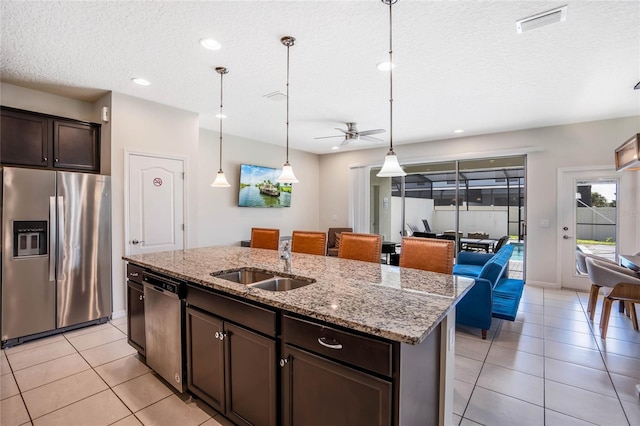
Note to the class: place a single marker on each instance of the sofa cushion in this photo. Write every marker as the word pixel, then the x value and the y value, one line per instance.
pixel 467 270
pixel 495 268
pixel 506 298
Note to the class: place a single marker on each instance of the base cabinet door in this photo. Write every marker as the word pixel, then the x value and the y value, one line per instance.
pixel 251 377
pixel 205 358
pixel 135 311
pixel 317 391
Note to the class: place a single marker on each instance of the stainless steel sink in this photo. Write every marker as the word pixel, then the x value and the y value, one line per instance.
pixel 282 284
pixel 244 275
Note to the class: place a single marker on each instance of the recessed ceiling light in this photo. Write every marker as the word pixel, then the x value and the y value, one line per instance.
pixel 209 43
pixel 458 131
pixel 141 81
pixel 335 147
pixel 386 66
pixel 221 116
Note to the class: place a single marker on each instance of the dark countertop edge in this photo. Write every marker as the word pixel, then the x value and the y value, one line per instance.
pixel 396 337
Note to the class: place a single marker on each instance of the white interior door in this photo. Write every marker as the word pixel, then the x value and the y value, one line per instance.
pixel 583 223
pixel 156 204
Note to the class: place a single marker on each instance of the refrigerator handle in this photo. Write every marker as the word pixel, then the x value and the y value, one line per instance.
pixel 60 218
pixel 52 238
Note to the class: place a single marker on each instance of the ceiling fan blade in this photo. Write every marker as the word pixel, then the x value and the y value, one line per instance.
pixel 370 138
pixel 326 137
pixel 372 132
pixel 342 130
pixel 345 142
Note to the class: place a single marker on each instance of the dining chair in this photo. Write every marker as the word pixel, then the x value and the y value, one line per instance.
pixel 428 254
pixel 265 238
pixel 365 247
pixel 620 283
pixel 310 242
pixel 333 237
pixel 581 266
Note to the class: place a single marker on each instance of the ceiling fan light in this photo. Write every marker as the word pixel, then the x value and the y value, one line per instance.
pixel 287 175
pixel 220 181
pixel 391 167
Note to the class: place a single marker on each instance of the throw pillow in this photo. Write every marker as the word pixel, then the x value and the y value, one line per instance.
pixel 338 237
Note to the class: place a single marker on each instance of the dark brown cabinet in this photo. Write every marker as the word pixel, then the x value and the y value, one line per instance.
pixel 319 389
pixel 39 140
pixel 230 366
pixel 316 391
pixel 135 309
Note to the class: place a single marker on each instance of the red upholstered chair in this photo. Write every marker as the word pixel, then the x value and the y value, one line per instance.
pixel 310 242
pixel 365 247
pixel 265 238
pixel 428 254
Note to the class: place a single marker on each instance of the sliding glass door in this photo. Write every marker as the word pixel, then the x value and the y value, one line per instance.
pixel 475 202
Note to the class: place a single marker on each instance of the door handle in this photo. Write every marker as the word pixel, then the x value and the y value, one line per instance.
pixel 60 218
pixel 52 238
pixel 567 237
pixel 136 242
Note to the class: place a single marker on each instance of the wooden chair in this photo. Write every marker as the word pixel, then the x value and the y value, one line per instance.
pixel 309 242
pixel 365 247
pixel 265 238
pixel 428 254
pixel 332 248
pixel 624 285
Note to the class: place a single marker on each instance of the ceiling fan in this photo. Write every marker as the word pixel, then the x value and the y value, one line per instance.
pixel 352 134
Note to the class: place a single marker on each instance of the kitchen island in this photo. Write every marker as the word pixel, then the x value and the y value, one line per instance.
pixel 363 344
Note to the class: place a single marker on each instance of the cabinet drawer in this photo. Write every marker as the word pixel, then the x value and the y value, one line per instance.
pixel 134 273
pixel 364 352
pixel 251 316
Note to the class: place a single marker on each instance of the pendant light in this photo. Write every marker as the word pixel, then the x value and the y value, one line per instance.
pixel 221 180
pixel 287 175
pixel 391 167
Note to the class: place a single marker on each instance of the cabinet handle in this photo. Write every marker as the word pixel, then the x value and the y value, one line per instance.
pixel 44 159
pixel 283 362
pixel 133 274
pixel 219 335
pixel 56 160
pixel 141 297
pixel 336 345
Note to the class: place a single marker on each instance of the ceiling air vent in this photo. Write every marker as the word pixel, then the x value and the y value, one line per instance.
pixel 275 96
pixel 540 20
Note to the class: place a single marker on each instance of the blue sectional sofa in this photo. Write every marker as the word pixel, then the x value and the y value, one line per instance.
pixel 494 294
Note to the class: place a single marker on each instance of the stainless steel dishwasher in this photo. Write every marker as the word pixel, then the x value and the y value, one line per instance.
pixel 164 325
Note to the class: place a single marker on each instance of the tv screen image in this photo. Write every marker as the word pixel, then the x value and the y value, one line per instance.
pixel 258 187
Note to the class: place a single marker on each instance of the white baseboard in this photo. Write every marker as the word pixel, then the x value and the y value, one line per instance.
pixel 542 284
pixel 118 314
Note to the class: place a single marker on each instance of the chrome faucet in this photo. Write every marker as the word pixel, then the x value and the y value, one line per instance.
pixel 285 254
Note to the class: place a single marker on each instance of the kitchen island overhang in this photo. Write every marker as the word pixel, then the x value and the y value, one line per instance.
pixel 412 309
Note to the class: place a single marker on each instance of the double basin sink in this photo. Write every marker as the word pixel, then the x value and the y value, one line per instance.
pixel 262 279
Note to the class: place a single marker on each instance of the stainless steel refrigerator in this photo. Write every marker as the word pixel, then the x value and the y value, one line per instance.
pixel 56 251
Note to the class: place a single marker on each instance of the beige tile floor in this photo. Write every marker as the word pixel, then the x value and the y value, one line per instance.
pixel 549 367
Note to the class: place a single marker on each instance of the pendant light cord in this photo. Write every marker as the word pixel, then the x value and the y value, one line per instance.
pixel 390 76
pixel 221 75
pixel 288 47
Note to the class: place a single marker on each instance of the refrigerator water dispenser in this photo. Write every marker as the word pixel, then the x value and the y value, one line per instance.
pixel 29 238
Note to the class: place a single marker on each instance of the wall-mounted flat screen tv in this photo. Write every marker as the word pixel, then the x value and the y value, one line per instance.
pixel 258 187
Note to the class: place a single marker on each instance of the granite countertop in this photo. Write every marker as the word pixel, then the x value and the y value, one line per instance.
pixel 398 304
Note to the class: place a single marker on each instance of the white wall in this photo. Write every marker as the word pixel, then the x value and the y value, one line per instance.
pixel 141 126
pixel 575 145
pixel 220 220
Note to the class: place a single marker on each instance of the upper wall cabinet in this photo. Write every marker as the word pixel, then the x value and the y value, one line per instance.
pixel 38 140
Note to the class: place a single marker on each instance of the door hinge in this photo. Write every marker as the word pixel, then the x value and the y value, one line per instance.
pixel 184 175
pixel 183 226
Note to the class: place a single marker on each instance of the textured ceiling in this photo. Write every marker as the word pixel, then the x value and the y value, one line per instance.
pixel 460 64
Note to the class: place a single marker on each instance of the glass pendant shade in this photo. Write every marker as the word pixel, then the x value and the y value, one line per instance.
pixel 391 167
pixel 287 175
pixel 221 180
